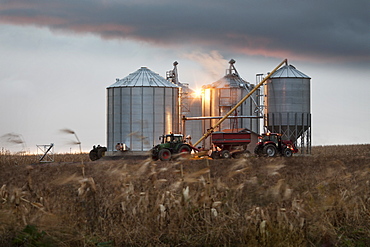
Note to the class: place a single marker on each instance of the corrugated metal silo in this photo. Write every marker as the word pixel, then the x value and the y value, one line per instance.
pixel 221 96
pixel 141 107
pixel 190 105
pixel 288 106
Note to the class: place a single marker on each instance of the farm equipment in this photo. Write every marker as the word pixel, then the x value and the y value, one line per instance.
pixel 97 152
pixel 226 144
pixel 210 130
pixel 271 145
pixel 171 144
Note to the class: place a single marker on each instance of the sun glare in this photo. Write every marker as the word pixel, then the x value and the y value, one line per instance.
pixel 198 92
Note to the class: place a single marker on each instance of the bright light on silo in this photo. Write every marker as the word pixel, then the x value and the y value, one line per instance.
pixel 207 94
pixel 198 93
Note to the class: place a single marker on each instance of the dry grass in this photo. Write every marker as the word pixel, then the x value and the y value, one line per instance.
pixel 318 200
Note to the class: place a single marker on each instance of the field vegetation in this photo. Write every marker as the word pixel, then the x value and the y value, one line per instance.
pixel 317 200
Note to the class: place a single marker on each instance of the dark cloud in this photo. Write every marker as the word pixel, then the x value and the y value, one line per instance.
pixel 332 29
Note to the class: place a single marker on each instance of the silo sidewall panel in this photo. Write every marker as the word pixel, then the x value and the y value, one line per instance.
pixel 175 107
pixel 137 117
pixel 224 102
pixel 214 105
pixel 117 108
pixel 110 119
pixel 242 110
pixel 169 111
pixel 148 118
pixel 206 111
pixel 126 116
pixel 159 113
pixel 270 99
pixel 194 128
pixel 246 110
pixel 306 97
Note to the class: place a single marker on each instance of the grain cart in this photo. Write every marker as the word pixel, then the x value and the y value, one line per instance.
pixel 271 145
pixel 171 144
pixel 227 145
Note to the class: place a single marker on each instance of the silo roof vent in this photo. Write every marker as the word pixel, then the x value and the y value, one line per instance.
pixel 143 77
pixel 289 71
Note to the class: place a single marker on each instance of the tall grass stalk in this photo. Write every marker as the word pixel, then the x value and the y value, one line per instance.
pixel 320 200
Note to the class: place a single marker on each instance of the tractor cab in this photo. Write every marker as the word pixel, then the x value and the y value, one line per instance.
pixel 271 138
pixel 274 137
pixel 173 138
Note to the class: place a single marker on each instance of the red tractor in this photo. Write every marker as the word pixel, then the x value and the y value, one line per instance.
pixel 271 145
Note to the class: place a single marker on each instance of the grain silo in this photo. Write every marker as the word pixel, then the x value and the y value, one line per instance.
pixel 221 96
pixel 141 107
pixel 287 105
pixel 190 105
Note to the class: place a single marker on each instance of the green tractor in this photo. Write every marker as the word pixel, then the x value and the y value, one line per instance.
pixel 171 144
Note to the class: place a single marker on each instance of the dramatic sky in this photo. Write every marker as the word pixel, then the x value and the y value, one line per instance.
pixel 58 57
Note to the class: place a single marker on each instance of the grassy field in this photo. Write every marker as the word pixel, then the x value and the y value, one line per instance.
pixel 317 200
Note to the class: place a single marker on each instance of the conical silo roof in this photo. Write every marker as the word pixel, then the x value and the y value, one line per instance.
pixel 289 71
pixel 231 79
pixel 143 77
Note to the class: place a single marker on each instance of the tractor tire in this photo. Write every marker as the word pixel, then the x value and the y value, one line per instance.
pixel 101 152
pixel 185 149
pixel 164 155
pixel 287 152
pixel 241 154
pixel 237 155
pixel 270 150
pixel 258 150
pixel 225 154
pixel 154 158
pixel 93 155
pixel 215 155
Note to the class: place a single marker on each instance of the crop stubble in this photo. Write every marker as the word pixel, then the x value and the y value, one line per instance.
pixel 322 199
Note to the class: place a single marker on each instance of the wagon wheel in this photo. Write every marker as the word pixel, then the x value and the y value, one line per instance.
pixel 215 155
pixel 225 154
pixel 237 155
